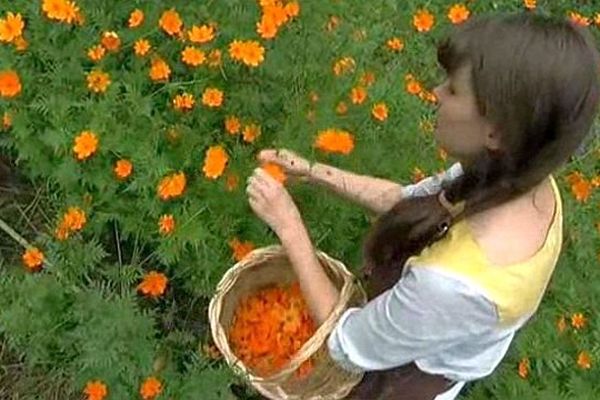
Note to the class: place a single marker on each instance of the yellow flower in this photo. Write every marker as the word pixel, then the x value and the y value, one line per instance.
pixel 11 27
pixel 98 81
pixel 193 56
pixel 136 18
pixel 215 162
pixel 212 97
pixel 86 144
pixel 141 47
pixel 96 53
pixel 201 34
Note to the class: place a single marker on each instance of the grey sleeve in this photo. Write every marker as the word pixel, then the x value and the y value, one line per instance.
pixel 423 314
pixel 432 184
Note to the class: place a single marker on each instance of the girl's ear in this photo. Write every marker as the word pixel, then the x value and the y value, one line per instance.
pixel 492 138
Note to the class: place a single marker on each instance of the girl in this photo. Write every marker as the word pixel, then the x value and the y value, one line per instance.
pixel 458 262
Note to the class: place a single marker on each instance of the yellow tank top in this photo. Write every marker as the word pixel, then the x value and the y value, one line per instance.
pixel 516 289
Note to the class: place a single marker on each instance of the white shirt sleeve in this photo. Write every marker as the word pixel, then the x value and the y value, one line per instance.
pixel 432 184
pixel 426 312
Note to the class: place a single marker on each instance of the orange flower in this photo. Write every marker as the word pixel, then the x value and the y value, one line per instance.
pixel 358 95
pixel 184 102
pixel 561 325
pixel 380 111
pixel 584 360
pixel 11 27
pixel 428 96
pixel 344 65
pixel 10 84
pixel 597 19
pixel 56 9
pixel 250 52
pixel 367 79
pixel 166 224
pixel 33 259
pixel 154 284
pixel 201 34
pixel 578 321
pixel 251 132
pixel 123 169
pixel 214 58
pixel 335 141
pixel 530 4
pixel 171 22
pixel 395 44
pixel 215 162
pixel 193 56
pixel 524 368
pixel 413 86
pixel 579 19
pixel 232 125
pixel 580 186
pixel 96 53
pixel 136 18
pixel 6 121
pixel 141 47
pixel 212 97
pixel 341 108
pixel 266 28
pixel 423 20
pixel 74 219
pixel 98 81
pixel 21 44
pixel 111 41
pixel 418 175
pixel 86 144
pixel 333 23
pixel 240 249
pixel 292 9
pixel 95 390
pixel 159 70
pixel 150 388
pixel 172 186
pixel 275 171
pixel 458 14
pixel 231 182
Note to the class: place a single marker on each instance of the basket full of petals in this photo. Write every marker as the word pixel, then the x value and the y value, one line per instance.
pixel 260 323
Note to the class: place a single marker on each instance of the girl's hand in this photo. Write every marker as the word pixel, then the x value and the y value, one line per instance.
pixel 295 166
pixel 271 202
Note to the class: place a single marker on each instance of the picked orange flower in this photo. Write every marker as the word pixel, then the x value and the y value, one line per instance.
pixel 212 97
pixel 251 132
pixel 10 84
pixel 136 18
pixel 380 111
pixel 33 259
pixel 111 41
pixel 423 20
pixel 184 102
pixel 166 224
pixel 123 169
pixel 232 125
pixel 276 171
pixel 86 144
pixel 96 53
pixel 458 14
pixel 193 56
pixel 150 388
pixel 240 249
pixel 171 22
pixel 215 162
pixel 335 141
pixel 201 34
pixel 141 47
pixel 159 70
pixel 172 186
pixel 98 81
pixel 153 284
pixel 95 390
pixel 11 27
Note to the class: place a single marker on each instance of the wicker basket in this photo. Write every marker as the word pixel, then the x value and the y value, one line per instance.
pixel 270 265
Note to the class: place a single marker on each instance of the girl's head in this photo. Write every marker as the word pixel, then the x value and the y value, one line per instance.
pixel 520 96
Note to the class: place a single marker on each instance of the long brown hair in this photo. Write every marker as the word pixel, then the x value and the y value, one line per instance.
pixel 534 77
